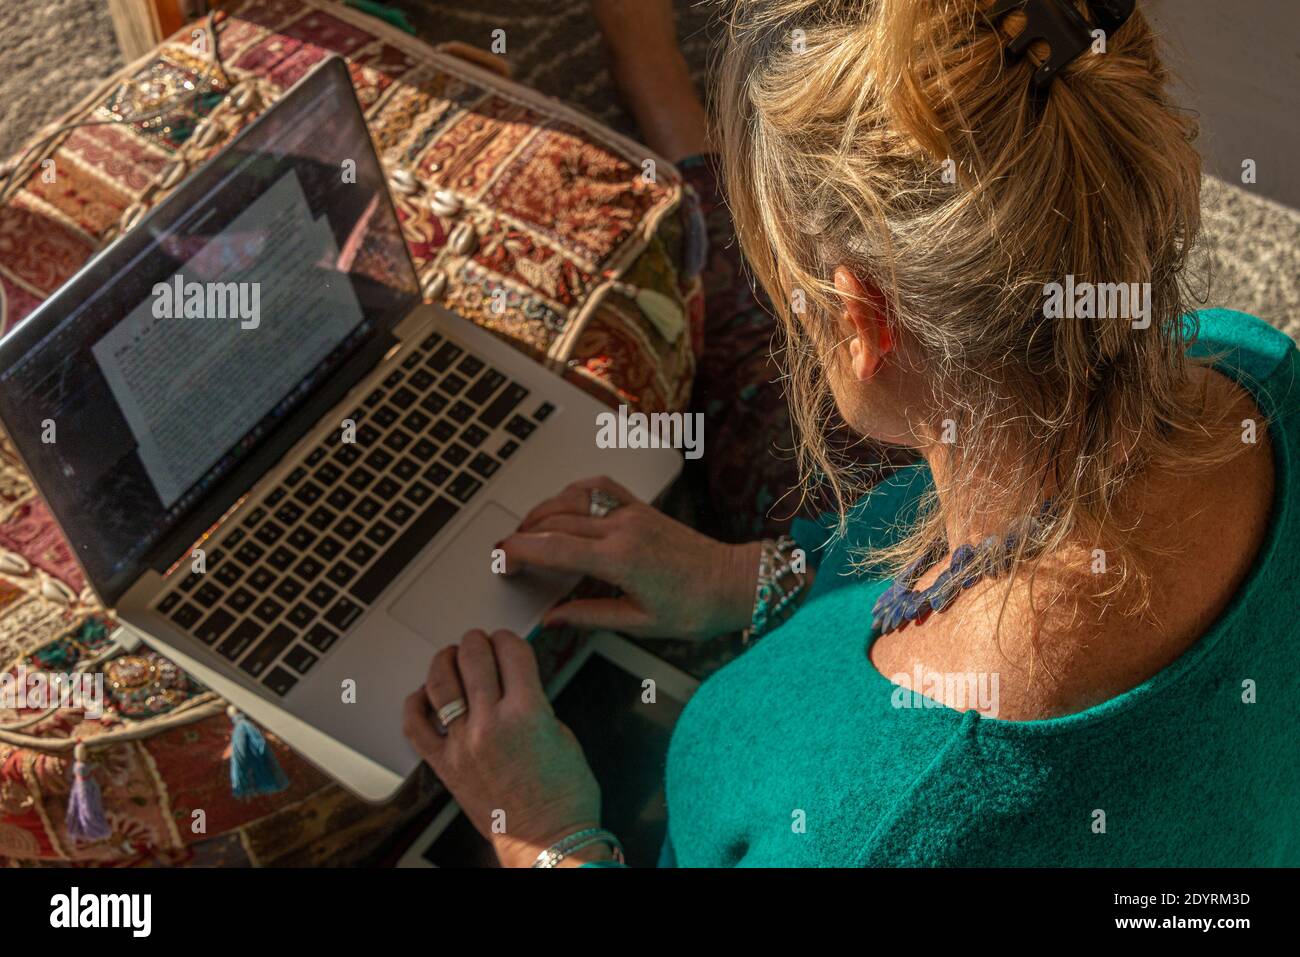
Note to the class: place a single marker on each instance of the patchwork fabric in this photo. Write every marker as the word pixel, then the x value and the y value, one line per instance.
pixel 570 222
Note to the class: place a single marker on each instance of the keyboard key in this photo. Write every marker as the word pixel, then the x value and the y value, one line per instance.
pixel 433 403
pixel 239 640
pixel 443 431
pixel 321 594
pixel 348 528
pixel 340 499
pixel 460 412
pixel 406 469
pixel 483 389
pixel 301 538
pixel 419 493
pixel 170 601
pixel 452 384
pixel 268 610
pixel 288 513
pixel 379 533
pixel 207 594
pixel 309 494
pixel 403 398
pixel 412 360
pixel 463 487
pixel 281 558
pixel 543 412
pixel 234 538
pixel 288 589
pixel 484 465
pixel 367 508
pixel 275 498
pixel 215 626
pixel 455 453
pixel 341 573
pixel 446 354
pixel 360 553
pixel 300 616
pixel 385 416
pixel 421 379
pixel 397 440
pixel 269 533
pixel 228 574
pixel 437 473
pixel 379 459
pixel 387 488
pixel 473 436
pixel 347 454
pixel 296 476
pixel 520 427
pixel 268 649
pixel 507 450
pixel 280 681
pixel 403 549
pixel 433 340
pixel 241 599
pixel 329 546
pixel 322 517
pixel 424 450
pixel 189 581
pixel 368 435
pixel 249 553
pixel 308 569
pixel 317 456
pixel 416 421
pixel 361 478
pixel 328 474
pixel 253 517
pixel 399 513
pixel 343 614
pixel 300 659
pixel 503 405
pixel 261 579
pixel 321 638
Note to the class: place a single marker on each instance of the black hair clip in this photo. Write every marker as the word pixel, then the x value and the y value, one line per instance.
pixel 1058 24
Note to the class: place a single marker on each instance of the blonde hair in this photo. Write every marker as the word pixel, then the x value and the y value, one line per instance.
pixel 835 142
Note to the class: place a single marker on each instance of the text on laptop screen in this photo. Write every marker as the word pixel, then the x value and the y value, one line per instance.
pixel 203 329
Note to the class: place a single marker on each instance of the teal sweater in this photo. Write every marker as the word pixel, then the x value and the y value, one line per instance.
pixel 796 755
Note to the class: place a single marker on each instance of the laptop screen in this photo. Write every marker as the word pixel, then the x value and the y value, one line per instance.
pixel 137 391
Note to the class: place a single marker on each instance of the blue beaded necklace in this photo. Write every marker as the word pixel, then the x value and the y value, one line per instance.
pixel 901 603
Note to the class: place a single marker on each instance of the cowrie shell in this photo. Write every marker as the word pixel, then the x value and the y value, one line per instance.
pixel 445 203
pixel 403 181
pixel 435 286
pixel 14 564
pixel 464 240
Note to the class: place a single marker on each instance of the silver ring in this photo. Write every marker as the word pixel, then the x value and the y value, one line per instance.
pixel 450 712
pixel 601 503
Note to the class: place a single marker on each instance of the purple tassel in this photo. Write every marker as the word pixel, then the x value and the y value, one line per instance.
pixel 85 820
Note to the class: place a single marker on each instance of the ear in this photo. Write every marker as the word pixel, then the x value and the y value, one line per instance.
pixel 866 320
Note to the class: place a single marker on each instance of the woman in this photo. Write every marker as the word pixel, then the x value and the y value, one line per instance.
pixel 1067 636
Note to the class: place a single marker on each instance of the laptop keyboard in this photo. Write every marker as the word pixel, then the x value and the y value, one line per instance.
pixel 299 567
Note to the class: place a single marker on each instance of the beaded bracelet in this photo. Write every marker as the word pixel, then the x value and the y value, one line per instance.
pixel 779 587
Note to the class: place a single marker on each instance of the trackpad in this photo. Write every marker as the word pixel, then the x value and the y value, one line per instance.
pixel 459 591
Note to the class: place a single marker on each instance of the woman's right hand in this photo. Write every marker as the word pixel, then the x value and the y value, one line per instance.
pixel 676 582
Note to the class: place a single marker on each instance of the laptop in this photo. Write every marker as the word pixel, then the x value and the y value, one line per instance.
pixel 275 464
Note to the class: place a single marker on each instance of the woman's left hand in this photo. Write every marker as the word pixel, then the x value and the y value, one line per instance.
pixel 516 771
